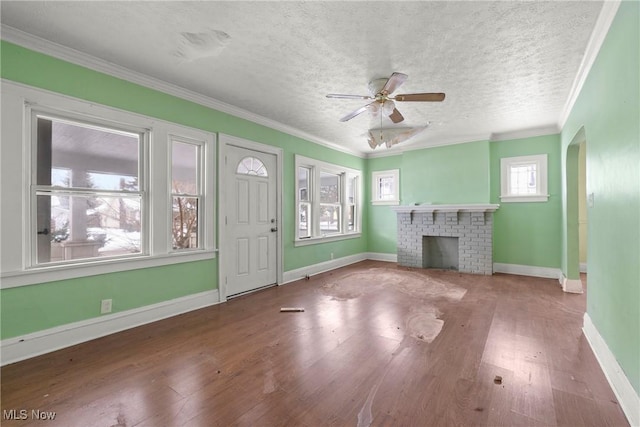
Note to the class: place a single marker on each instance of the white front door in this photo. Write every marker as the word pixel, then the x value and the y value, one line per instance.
pixel 251 226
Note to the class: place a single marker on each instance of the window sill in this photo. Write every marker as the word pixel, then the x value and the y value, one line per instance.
pixel 385 202
pixel 520 199
pixel 325 239
pixel 53 273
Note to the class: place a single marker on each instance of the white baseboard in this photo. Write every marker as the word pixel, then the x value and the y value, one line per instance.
pixel 26 346
pixel 379 256
pixel 572 286
pixel 527 270
pixel 622 388
pixel 311 270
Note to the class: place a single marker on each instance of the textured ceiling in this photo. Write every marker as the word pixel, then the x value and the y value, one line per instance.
pixel 505 66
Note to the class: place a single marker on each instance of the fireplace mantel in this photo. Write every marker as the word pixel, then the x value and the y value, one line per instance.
pixel 446 208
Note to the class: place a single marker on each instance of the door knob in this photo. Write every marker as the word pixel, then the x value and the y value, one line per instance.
pixel 274 229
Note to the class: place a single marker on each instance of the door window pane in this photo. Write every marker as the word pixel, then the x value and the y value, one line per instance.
pixel 252 166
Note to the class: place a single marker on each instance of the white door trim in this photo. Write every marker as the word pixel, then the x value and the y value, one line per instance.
pixel 223 142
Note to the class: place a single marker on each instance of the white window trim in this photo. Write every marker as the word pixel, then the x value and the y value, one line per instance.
pixel 18 101
pixel 375 179
pixel 541 185
pixel 201 186
pixel 317 166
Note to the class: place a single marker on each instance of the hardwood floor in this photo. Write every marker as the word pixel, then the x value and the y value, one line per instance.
pixel 377 345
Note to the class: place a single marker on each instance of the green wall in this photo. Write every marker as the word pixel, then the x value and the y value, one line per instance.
pixel 607 113
pixel 528 233
pixel 450 174
pixel 382 229
pixel 28 309
pixel 524 233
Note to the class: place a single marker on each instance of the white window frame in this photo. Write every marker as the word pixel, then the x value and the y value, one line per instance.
pixel 199 194
pixel 16 151
pixel 316 167
pixel 376 177
pixel 32 114
pixel 506 163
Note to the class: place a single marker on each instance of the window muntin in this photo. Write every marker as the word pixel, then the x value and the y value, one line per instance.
pixel 524 178
pixel 385 187
pixel 186 194
pixel 327 200
pixel 87 201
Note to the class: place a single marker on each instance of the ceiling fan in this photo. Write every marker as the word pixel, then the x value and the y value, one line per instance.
pixel 380 91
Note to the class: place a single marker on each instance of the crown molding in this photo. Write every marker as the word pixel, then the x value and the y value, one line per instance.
pixel 38 44
pixel 600 30
pixel 550 129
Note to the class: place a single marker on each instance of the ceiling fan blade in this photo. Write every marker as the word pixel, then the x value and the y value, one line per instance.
pixel 340 96
pixel 420 97
pixel 394 82
pixel 396 117
pixel 352 114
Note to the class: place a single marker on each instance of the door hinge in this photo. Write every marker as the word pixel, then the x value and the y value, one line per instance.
pixel 225 221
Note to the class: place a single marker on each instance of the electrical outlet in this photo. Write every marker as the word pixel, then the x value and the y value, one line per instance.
pixel 105 306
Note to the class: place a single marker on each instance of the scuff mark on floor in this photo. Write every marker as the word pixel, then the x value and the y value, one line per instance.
pixel 413 284
pixel 422 323
pixel 365 417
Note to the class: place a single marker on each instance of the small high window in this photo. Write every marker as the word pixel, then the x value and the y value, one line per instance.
pixel 524 179
pixel 385 187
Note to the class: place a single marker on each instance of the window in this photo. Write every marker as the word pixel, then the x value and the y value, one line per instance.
pixel 327 201
pixel 87 191
pixel 186 193
pixel 251 166
pixel 524 179
pixel 97 190
pixel 385 187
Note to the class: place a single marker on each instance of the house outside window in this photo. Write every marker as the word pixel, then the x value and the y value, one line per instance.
pixel 523 179
pixel 385 187
pixel 327 201
pixel 88 192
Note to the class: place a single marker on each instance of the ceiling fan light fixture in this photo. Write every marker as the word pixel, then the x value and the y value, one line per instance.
pixel 388 106
pixel 374 109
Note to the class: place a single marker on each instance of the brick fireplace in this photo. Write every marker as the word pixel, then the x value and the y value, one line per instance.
pixel 471 226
